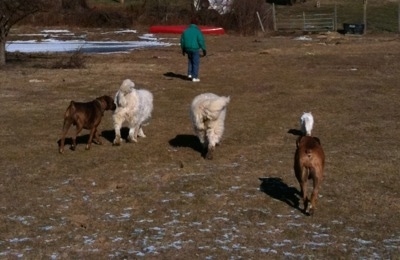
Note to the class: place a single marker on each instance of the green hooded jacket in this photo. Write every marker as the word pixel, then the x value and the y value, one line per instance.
pixel 192 39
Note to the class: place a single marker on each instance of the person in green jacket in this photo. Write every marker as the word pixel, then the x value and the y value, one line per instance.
pixel 192 41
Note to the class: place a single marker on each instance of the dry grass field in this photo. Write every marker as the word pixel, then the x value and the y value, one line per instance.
pixel 159 199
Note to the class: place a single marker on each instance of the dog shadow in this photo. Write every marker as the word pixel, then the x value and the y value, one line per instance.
pixel 174 75
pixel 109 135
pixel 190 141
pixel 277 189
pixel 295 132
pixel 82 139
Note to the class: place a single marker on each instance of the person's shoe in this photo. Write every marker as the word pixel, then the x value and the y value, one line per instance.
pixel 189 76
pixel 196 80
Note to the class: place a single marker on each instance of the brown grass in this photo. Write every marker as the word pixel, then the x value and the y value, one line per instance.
pixel 165 201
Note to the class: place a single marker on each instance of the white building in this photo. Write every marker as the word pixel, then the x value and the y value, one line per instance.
pixel 221 6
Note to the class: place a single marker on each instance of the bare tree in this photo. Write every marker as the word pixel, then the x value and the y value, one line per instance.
pixel 74 4
pixel 13 11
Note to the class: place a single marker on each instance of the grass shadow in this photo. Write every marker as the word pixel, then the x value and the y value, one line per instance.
pixel 190 141
pixel 277 189
pixel 174 75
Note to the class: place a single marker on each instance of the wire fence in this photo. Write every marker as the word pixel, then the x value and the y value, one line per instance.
pixel 356 19
pixel 307 22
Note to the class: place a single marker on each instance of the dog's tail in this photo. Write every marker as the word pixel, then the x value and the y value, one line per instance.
pixel 68 113
pixel 307 123
pixel 120 100
pixel 212 108
pixel 70 110
pixel 127 86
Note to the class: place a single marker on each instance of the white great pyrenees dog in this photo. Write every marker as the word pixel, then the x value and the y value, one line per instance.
pixel 207 113
pixel 134 106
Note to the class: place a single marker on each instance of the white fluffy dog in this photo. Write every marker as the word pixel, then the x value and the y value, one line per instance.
pixel 207 113
pixel 306 123
pixel 135 107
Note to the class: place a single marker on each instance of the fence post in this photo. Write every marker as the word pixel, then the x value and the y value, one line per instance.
pixel 304 21
pixel 259 20
pixel 274 16
pixel 365 16
pixel 335 19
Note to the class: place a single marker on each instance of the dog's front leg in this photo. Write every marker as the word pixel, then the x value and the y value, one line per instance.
pixel 96 138
pixel 117 139
pixel 210 152
pixel 212 140
pixel 201 134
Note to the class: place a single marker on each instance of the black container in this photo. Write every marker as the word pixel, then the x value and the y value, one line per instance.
pixel 353 28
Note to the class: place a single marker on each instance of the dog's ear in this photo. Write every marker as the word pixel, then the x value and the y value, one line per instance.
pixel 110 103
pixel 298 141
pixel 317 139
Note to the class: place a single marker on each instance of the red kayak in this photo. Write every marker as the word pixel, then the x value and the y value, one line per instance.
pixel 178 29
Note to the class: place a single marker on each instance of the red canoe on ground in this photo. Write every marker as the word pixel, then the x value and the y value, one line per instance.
pixel 178 29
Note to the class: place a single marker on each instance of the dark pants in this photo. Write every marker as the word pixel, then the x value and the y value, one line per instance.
pixel 193 63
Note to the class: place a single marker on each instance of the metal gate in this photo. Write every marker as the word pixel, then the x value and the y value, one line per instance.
pixel 308 22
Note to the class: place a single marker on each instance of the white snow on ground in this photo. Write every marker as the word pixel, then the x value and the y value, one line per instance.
pixel 49 43
pixel 152 238
pixel 52 45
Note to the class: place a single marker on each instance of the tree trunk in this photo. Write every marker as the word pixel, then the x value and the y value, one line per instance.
pixel 2 50
pixel 11 12
pixel 2 54
pixel 74 4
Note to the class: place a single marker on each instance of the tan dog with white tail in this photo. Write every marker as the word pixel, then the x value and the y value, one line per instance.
pixel 309 163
